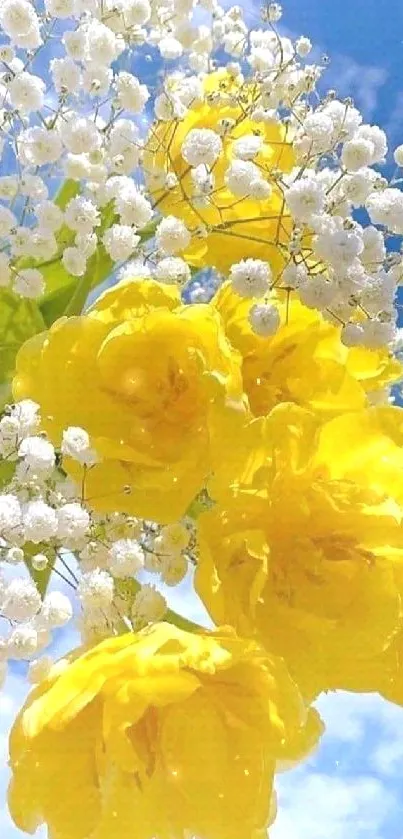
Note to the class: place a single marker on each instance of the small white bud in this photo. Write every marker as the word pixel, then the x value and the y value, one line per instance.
pixel 39 562
pixel 264 319
pixel 39 669
pixel 398 155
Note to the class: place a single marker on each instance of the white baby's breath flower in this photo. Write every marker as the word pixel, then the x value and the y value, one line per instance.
pixel 240 175
pixel 19 21
pixel 95 589
pixel 201 145
pixel 23 642
pixel 132 206
pixel 250 277
pixel 27 92
pixel 76 444
pixel 264 319
pixel 149 605
pixel 172 269
pixel 56 610
pixel 120 240
pixel 172 235
pixel 10 516
pixel 38 453
pixel 132 95
pixel 21 600
pixel 39 669
pixel 81 214
pixel 74 261
pixel 40 521
pixel 28 282
pixel 73 522
pixel 126 558
pixel 65 74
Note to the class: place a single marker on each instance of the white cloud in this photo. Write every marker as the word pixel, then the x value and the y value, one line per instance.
pixel 361 82
pixel 350 717
pixel 387 758
pixel 184 600
pixel 350 788
pixel 349 78
pixel 344 715
pixel 315 805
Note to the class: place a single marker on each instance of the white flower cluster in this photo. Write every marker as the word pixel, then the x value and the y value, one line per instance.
pixel 89 123
pixel 46 526
pixel 331 181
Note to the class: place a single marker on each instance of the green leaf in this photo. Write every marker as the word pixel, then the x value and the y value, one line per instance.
pixel 181 622
pixel 66 192
pixel 40 578
pixel 99 267
pixel 200 504
pixel 20 319
pixel 53 271
pixel 7 468
pixel 65 294
pixel 55 303
pixel 70 298
pixel 60 286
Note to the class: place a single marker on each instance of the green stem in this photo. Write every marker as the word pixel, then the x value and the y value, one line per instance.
pixel 86 283
pixel 181 622
pixel 129 588
pixel 77 301
pixel 148 231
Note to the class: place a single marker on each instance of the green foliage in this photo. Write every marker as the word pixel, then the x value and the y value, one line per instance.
pixel 7 468
pixel 200 504
pixel 20 319
pixel 65 294
pixel 99 267
pixel 40 578
pixel 66 192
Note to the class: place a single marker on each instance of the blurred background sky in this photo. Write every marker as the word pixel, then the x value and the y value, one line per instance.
pixel 352 788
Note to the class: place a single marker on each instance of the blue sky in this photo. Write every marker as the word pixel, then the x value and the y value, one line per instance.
pixel 352 788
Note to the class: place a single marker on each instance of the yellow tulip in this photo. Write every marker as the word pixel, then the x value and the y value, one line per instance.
pixel 304 543
pixel 151 381
pixel 157 734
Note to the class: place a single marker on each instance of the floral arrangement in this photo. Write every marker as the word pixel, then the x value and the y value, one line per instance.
pixel 200 369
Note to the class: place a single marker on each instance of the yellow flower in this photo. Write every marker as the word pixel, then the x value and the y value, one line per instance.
pixel 150 383
pixel 303 545
pixel 305 361
pixel 156 734
pixel 225 227
pixel 383 672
